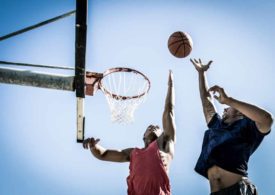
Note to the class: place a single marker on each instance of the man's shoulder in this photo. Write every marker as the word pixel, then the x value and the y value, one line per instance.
pixel 166 145
pixel 128 151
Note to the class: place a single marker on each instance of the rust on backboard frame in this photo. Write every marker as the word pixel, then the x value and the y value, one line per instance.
pixel 92 82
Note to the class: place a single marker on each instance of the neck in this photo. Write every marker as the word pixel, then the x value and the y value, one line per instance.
pixel 147 144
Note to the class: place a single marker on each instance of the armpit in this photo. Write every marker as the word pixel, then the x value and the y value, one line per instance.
pixel 209 110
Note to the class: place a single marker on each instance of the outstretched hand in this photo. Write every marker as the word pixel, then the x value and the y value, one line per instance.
pixel 170 78
pixel 90 143
pixel 222 97
pixel 200 67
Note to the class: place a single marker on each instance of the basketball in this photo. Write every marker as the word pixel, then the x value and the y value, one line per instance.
pixel 180 44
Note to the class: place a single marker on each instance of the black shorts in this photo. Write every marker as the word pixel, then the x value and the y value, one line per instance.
pixel 243 187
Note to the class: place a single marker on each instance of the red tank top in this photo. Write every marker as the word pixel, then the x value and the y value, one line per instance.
pixel 147 172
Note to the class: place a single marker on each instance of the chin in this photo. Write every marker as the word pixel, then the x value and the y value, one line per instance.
pixel 148 142
pixel 224 120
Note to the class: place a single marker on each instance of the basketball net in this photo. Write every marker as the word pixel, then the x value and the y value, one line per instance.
pixel 132 87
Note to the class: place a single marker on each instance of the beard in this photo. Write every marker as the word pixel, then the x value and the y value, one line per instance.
pixel 224 118
pixel 150 139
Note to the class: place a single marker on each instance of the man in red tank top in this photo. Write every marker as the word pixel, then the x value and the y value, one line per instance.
pixel 149 166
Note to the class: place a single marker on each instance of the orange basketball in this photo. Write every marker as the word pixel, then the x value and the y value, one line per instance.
pixel 180 44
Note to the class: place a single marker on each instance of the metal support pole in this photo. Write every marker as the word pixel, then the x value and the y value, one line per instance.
pixel 36 79
pixel 36 26
pixel 80 55
pixel 36 65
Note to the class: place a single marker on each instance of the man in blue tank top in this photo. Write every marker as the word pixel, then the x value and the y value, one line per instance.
pixel 230 140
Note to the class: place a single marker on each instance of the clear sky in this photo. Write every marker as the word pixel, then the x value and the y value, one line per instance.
pixel 38 149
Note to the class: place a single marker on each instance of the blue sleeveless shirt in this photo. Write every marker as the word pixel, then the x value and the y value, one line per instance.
pixel 228 146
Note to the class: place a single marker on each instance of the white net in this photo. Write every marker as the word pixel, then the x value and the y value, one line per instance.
pixel 124 90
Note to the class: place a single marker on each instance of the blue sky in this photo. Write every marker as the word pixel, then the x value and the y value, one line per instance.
pixel 38 149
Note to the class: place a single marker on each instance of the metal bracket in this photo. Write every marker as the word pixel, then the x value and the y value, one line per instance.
pixel 92 82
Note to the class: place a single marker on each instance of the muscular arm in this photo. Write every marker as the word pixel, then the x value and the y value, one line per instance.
pixel 107 154
pixel 209 109
pixel 168 117
pixel 111 155
pixel 262 118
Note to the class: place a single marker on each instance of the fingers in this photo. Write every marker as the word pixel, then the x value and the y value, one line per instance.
pixel 215 88
pixel 170 78
pixel 199 62
pixel 192 61
pixel 219 90
pixel 209 63
pixel 171 75
pixel 222 96
pixel 195 63
pixel 95 142
pixel 90 143
pixel 216 97
pixel 85 143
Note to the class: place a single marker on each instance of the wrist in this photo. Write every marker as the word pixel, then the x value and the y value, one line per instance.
pixel 201 72
pixel 92 147
pixel 228 101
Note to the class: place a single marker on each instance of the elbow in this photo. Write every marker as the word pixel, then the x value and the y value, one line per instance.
pixel 169 108
pixel 205 95
pixel 168 114
pixel 270 120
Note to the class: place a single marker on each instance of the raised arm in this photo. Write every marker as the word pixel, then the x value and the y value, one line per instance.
pixel 209 109
pixel 262 118
pixel 106 154
pixel 168 117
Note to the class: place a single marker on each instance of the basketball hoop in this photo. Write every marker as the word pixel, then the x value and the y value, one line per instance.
pixel 125 89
